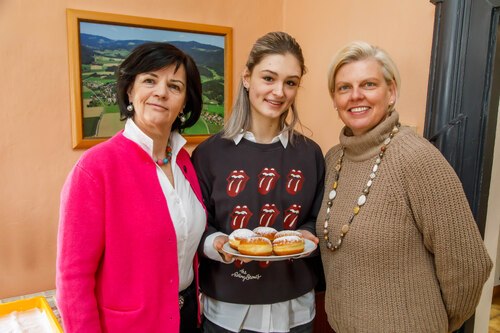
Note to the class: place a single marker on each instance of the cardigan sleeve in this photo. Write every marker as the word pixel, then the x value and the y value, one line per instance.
pixel 442 214
pixel 80 246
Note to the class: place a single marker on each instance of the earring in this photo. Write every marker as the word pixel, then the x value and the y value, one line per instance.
pixel 182 117
pixel 130 107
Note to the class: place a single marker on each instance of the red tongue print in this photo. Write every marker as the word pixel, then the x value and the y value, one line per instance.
pixel 291 216
pixel 236 182
pixel 264 264
pixel 268 178
pixel 294 182
pixel 240 217
pixel 268 214
pixel 238 263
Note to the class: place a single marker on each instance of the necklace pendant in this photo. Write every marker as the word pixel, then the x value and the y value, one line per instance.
pixel 332 194
pixel 361 200
pixel 161 162
pixel 168 153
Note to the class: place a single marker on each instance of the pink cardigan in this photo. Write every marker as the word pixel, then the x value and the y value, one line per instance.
pixel 117 252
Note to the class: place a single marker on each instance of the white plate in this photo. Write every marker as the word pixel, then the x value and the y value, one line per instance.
pixel 309 246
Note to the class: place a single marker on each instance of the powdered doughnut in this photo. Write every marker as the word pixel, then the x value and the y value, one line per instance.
pixel 236 236
pixel 288 245
pixel 283 233
pixel 256 246
pixel 267 232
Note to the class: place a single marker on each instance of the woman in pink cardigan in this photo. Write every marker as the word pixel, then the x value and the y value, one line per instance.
pixel 131 210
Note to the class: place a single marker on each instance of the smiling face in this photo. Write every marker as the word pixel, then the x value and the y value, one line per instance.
pixel 158 97
pixel 272 86
pixel 361 95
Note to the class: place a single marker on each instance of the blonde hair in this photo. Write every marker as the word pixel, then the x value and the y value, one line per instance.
pixel 360 50
pixel 269 44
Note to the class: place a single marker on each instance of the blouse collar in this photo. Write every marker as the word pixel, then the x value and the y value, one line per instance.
pixel 134 133
pixel 282 137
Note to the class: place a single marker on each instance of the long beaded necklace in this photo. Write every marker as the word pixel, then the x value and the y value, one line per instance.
pixel 168 153
pixel 361 199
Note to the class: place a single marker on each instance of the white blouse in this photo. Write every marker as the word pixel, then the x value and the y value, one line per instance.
pixel 187 213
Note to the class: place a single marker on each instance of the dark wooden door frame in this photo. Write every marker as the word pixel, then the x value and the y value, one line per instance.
pixel 463 93
pixel 459 119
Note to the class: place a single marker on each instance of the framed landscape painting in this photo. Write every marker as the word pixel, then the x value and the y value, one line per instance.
pixel 99 42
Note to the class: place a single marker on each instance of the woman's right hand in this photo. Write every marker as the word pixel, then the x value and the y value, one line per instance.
pixel 219 242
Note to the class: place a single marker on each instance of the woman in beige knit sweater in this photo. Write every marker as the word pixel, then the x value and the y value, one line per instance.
pixel 400 248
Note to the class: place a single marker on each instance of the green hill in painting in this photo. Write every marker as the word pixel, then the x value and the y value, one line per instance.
pixel 100 58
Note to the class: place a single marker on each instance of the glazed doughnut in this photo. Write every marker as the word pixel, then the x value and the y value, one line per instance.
pixel 256 246
pixel 288 233
pixel 267 232
pixel 288 245
pixel 236 236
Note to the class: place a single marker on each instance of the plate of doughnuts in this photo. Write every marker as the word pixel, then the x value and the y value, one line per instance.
pixel 268 244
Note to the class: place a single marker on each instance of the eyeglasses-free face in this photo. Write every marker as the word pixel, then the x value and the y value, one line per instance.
pixel 272 86
pixel 158 97
pixel 362 95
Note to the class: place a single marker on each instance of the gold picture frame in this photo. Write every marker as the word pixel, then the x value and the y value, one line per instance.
pixel 94 54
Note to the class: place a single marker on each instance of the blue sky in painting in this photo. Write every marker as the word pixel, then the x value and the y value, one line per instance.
pixel 119 32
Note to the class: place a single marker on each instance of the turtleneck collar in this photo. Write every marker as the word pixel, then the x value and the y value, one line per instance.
pixel 366 146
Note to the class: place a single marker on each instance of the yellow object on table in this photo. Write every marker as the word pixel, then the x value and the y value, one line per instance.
pixel 31 303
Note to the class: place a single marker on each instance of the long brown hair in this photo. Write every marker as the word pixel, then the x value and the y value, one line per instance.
pixel 269 44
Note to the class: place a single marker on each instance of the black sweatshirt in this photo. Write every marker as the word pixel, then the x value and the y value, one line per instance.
pixel 249 185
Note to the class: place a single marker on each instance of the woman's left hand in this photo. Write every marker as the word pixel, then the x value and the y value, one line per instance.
pixel 308 235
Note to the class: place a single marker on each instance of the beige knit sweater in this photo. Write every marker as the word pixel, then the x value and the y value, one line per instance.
pixel 413 260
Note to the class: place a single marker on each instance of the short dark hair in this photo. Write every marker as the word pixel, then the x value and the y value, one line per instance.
pixel 153 56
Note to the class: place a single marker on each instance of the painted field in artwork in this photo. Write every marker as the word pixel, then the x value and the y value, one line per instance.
pixel 104 46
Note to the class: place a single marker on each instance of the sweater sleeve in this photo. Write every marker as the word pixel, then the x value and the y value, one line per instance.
pixel 80 246
pixel 206 183
pixel 442 214
pixel 310 222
